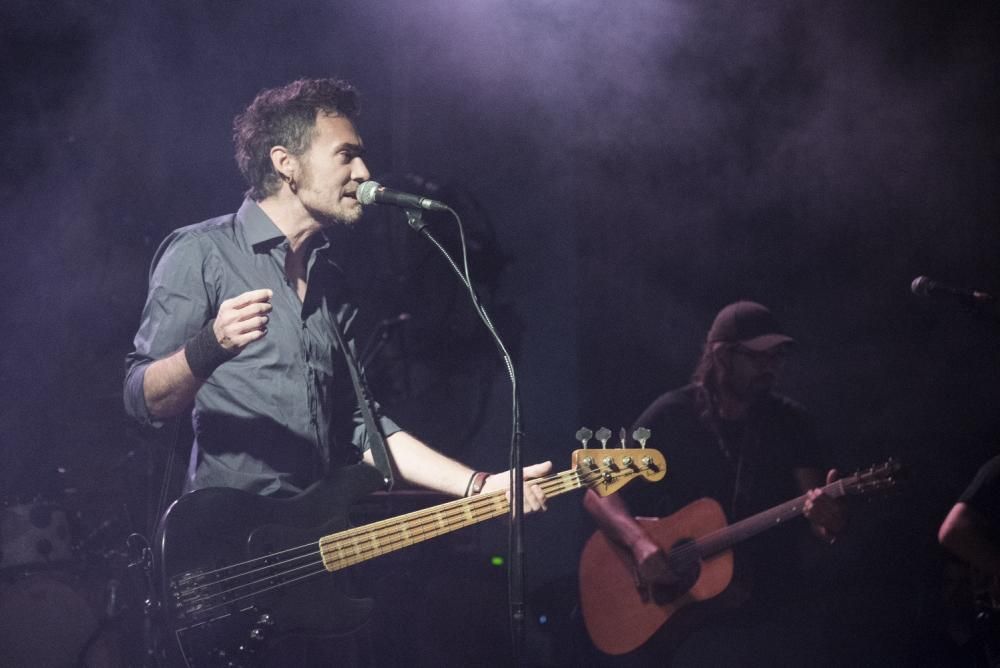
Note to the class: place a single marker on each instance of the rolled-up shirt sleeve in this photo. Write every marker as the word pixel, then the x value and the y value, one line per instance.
pixel 177 306
pixel 360 438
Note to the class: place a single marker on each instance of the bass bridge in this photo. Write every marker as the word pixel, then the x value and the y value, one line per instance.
pixel 218 624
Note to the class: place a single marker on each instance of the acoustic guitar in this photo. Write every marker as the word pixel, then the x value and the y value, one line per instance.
pixel 237 571
pixel 621 613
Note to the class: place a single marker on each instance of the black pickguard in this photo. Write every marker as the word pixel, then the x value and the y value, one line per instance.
pixel 222 598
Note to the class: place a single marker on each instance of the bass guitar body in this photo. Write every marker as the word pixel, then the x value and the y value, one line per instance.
pixel 620 614
pixel 238 571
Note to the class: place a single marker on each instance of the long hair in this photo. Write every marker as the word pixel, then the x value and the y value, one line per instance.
pixel 706 379
pixel 285 116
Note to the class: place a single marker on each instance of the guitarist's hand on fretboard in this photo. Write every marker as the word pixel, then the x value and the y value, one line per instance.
pixel 827 514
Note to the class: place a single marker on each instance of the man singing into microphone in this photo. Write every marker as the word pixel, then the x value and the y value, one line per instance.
pixel 238 325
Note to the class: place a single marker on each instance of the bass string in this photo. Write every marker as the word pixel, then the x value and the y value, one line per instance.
pixel 366 554
pixel 447 508
pixel 278 569
pixel 284 568
pixel 390 538
pixel 549 484
pixel 437 518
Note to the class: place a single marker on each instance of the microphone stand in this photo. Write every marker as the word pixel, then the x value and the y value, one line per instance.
pixel 414 217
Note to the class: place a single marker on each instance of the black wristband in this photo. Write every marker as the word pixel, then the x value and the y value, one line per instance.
pixel 204 353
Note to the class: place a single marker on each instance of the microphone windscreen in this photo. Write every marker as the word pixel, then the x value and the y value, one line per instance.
pixel 366 192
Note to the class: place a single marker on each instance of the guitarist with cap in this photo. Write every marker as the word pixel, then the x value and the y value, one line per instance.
pixel 730 438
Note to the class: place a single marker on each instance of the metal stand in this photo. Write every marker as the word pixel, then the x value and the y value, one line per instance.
pixel 414 217
pixel 141 568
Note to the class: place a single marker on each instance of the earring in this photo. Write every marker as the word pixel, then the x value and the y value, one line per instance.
pixel 294 187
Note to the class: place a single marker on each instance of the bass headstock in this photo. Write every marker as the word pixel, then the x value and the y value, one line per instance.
pixel 606 470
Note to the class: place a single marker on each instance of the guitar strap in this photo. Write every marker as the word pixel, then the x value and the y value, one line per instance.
pixel 376 440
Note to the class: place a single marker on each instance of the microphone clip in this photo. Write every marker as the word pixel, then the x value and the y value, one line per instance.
pixel 415 218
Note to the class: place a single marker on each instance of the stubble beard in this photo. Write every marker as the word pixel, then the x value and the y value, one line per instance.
pixel 343 214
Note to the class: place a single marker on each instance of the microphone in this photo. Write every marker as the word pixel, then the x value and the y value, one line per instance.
pixel 923 286
pixel 372 192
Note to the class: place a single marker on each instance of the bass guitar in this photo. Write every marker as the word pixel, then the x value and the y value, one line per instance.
pixel 237 570
pixel 621 613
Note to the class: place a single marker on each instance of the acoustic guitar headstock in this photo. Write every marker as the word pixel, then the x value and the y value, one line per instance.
pixel 607 469
pixel 876 478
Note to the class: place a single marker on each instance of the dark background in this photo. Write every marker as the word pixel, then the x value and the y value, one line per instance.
pixel 624 171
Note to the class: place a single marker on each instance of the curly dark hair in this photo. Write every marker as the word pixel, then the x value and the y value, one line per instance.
pixel 285 116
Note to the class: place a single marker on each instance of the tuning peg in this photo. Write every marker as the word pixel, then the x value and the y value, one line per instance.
pixel 622 435
pixel 584 435
pixel 641 435
pixel 603 434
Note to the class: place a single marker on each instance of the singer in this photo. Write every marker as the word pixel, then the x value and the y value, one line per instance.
pixel 238 327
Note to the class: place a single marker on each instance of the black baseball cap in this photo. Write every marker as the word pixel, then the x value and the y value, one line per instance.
pixel 749 324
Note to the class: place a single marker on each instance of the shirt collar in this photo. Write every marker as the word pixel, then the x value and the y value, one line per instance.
pixel 258 227
pixel 262 233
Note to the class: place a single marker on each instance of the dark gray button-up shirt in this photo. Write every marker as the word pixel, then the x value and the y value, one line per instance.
pixel 283 412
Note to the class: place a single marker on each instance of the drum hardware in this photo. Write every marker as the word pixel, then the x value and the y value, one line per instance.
pixel 112 614
pixel 140 569
pixel 65 599
pixel 34 533
pixel 52 618
pixel 62 599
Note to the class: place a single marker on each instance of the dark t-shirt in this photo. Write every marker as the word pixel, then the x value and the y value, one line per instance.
pixel 747 467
